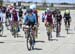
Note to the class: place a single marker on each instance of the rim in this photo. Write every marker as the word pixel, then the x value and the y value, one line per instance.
pixel 28 44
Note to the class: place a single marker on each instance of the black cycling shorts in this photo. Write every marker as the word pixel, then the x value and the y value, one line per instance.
pixel 31 24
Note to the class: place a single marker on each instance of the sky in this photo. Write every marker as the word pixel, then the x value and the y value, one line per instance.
pixel 50 1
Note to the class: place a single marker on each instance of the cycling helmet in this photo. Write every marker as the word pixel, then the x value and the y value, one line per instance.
pixel 29 11
pixel 47 9
pixel 67 11
pixel 33 6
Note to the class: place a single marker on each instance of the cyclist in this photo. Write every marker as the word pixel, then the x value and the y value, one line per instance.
pixel 58 20
pixel 49 21
pixel 33 7
pixel 14 19
pixel 8 16
pixel 43 17
pixel 55 13
pixel 48 9
pixel 30 19
pixel 67 18
pixel 20 16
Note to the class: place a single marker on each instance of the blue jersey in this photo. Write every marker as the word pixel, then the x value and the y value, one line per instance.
pixel 29 18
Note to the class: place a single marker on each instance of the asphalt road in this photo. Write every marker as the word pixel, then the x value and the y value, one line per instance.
pixel 65 44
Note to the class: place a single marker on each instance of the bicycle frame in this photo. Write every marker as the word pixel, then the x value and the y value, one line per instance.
pixel 49 31
pixel 31 37
pixel 57 29
pixel 67 26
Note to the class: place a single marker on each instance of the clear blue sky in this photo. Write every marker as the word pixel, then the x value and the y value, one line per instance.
pixel 53 1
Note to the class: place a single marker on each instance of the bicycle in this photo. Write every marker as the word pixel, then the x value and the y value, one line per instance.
pixel 15 30
pixel 49 31
pixel 30 38
pixel 67 21
pixel 1 29
pixel 67 26
pixel 58 27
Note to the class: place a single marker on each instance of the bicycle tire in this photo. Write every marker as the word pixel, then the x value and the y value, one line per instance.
pixel 57 30
pixel 49 32
pixel 67 30
pixel 49 36
pixel 29 41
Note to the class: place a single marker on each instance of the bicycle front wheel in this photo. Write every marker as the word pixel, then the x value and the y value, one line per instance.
pixel 29 43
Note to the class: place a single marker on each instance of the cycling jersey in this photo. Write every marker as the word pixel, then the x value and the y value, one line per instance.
pixel 14 16
pixel 59 17
pixel 49 18
pixel 67 16
pixel 31 19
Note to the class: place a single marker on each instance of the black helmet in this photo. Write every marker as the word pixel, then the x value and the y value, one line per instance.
pixel 29 11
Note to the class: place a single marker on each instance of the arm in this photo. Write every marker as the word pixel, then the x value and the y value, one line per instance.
pixel 11 18
pixel 35 19
pixel 18 16
pixel 64 15
pixel 61 17
pixel 25 19
pixel 2 18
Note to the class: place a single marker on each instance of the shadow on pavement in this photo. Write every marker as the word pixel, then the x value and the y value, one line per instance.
pixel 38 49
pixel 19 36
pixel 3 36
pixel 14 41
pixel 71 33
pixel 2 42
pixel 40 41
pixel 61 36
pixel 53 40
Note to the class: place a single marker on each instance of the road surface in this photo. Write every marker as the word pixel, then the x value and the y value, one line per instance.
pixel 65 44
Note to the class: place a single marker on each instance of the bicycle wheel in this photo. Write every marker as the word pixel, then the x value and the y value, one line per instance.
pixel 49 35
pixel 1 30
pixel 57 30
pixel 15 33
pixel 67 29
pixel 29 43
pixel 49 32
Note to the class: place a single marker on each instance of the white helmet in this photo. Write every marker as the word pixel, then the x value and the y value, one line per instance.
pixel 47 9
pixel 33 6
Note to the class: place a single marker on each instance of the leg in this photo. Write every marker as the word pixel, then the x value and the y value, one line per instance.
pixel 69 23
